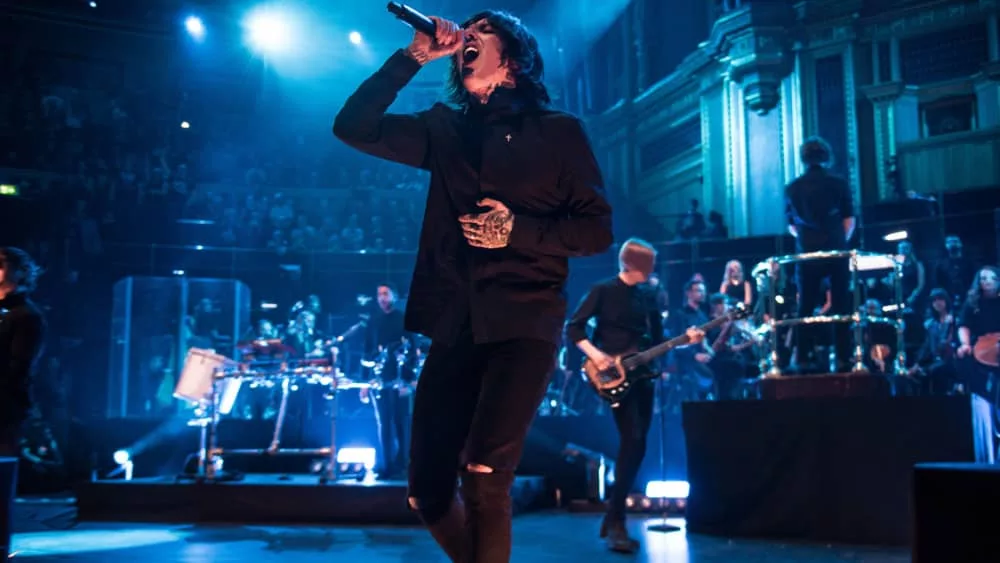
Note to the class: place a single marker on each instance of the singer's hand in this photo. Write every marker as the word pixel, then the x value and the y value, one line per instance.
pixel 447 40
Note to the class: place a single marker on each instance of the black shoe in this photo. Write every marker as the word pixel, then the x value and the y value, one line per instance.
pixel 616 537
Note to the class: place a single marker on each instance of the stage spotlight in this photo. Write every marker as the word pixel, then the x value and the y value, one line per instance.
pixel 195 27
pixel 93 4
pixel 362 457
pixel 121 457
pixel 355 37
pixel 668 489
pixel 896 236
pixel 269 31
pixel 185 125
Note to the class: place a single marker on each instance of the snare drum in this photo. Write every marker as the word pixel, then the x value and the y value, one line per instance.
pixel 195 383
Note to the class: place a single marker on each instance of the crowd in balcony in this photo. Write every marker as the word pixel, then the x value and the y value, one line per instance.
pixel 123 168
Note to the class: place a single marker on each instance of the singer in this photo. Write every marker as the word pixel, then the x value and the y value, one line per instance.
pixel 515 191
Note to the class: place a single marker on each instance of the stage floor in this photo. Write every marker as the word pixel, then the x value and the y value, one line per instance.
pixel 538 538
pixel 268 499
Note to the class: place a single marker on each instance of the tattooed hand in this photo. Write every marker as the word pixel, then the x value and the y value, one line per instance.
pixel 490 229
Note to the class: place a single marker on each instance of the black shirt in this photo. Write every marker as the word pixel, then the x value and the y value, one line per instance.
pixel 537 162
pixel 386 330
pixel 627 316
pixel 22 330
pixel 954 275
pixel 816 204
pixel 683 319
pixel 981 319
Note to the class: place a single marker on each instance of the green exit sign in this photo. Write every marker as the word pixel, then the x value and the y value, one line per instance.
pixel 9 189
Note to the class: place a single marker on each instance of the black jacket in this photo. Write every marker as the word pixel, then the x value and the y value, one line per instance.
pixel 537 162
pixel 22 330
pixel 816 203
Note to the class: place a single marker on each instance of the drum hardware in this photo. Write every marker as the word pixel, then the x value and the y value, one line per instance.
pixel 859 261
pixel 212 382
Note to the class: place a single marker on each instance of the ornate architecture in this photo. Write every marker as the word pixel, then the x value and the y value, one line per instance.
pixel 905 91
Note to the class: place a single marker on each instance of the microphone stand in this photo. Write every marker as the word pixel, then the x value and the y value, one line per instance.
pixel 662 526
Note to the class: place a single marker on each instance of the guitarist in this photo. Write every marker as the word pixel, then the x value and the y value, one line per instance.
pixel 627 320
pixel 385 340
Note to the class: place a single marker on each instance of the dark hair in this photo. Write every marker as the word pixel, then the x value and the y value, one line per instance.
pixel 21 267
pixel 976 291
pixel 816 152
pixel 939 293
pixel 520 51
pixel 391 287
pixel 691 283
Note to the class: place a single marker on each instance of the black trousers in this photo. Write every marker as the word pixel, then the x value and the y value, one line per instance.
pixel 393 417
pixel 809 278
pixel 10 450
pixel 474 404
pixel 632 418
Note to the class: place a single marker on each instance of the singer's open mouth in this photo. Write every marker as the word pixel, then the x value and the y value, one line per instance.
pixel 470 54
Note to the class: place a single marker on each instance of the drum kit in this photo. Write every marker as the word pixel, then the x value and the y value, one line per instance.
pixel 859 262
pixel 212 382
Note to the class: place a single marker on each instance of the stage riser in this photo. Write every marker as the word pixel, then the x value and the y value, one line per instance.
pixel 828 470
pixel 92 446
pixel 265 500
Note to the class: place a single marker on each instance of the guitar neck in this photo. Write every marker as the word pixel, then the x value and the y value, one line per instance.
pixel 660 349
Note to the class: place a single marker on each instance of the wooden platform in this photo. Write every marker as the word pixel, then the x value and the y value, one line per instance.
pixel 267 499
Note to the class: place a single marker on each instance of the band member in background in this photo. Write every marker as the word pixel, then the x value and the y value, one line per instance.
pixel 936 357
pixel 515 191
pixel 820 211
pixel 693 359
pixel 981 312
pixel 627 320
pixel 727 363
pixel 735 286
pixel 22 331
pixel 389 348
pixel 954 271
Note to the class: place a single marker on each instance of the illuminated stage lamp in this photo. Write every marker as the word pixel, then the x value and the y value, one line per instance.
pixel 364 458
pixel 668 489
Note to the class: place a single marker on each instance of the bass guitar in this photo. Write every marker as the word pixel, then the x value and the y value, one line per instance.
pixel 615 382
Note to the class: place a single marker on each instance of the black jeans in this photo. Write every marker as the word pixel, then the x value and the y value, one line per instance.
pixel 632 418
pixel 10 450
pixel 393 412
pixel 473 406
pixel 809 278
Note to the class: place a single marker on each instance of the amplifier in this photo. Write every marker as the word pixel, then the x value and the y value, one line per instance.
pixel 818 386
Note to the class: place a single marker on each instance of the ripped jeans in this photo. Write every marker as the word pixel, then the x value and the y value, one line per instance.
pixel 473 407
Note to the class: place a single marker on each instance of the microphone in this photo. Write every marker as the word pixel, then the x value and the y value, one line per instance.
pixel 415 19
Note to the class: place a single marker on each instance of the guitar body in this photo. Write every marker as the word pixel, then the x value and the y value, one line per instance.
pixel 615 383
pixel 987 349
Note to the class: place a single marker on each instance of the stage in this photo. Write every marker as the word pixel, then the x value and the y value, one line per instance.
pixel 267 499
pixel 823 469
pixel 538 538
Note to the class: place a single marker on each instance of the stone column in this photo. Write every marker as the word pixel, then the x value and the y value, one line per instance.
pixel 883 98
